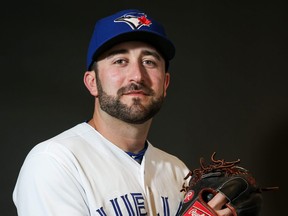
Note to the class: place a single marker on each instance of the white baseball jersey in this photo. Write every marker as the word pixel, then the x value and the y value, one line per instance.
pixel 80 173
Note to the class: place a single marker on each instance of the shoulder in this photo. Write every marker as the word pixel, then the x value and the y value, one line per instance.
pixel 63 142
pixel 56 153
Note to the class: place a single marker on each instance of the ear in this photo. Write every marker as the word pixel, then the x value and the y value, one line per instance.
pixel 166 82
pixel 90 82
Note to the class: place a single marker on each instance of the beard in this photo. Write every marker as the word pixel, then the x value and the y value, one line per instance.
pixel 136 113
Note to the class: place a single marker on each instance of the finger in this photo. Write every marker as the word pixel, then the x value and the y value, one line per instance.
pixel 218 201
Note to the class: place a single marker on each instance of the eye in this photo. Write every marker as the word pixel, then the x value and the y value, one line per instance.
pixel 120 61
pixel 149 63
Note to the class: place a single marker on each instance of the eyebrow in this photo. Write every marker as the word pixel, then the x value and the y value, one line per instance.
pixel 116 52
pixel 125 51
pixel 152 53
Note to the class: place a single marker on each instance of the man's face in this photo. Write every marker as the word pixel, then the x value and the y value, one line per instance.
pixel 131 82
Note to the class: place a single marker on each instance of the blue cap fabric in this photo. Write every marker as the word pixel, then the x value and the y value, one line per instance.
pixel 128 25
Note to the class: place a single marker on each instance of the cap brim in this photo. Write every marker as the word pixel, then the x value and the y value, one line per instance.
pixel 163 45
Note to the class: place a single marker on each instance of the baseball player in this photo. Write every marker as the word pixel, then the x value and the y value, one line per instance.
pixel 106 165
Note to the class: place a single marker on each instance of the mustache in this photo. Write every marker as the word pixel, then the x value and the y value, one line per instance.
pixel 135 87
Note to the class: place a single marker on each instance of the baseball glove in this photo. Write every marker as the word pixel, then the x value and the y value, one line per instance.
pixel 234 182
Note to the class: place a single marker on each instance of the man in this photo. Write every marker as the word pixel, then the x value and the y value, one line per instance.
pixel 106 166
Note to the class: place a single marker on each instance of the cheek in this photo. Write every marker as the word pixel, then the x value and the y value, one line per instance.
pixel 111 83
pixel 159 87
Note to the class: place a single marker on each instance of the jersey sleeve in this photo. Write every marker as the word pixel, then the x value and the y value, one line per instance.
pixel 45 186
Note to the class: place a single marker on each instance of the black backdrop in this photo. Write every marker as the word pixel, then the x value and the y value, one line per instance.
pixel 228 92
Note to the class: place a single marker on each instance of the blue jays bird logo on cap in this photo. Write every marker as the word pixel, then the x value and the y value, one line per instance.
pixel 134 19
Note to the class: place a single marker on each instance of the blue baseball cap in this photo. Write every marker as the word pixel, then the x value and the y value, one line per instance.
pixel 128 25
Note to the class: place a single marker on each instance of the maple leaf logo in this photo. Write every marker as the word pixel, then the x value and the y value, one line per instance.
pixel 144 20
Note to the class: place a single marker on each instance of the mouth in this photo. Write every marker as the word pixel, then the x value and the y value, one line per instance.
pixel 136 92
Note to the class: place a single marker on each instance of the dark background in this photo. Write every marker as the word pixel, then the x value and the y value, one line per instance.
pixel 228 92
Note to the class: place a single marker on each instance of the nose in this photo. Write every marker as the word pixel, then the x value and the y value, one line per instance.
pixel 136 72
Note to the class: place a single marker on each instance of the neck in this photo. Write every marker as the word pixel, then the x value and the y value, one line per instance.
pixel 129 137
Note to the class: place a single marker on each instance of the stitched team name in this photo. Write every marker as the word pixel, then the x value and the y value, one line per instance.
pixel 136 207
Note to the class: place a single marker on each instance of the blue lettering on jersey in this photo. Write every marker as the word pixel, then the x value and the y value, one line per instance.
pixel 116 207
pixel 136 200
pixel 128 205
pixel 101 212
pixel 139 204
pixel 165 206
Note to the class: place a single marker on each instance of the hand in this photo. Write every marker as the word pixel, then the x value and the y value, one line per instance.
pixel 217 203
